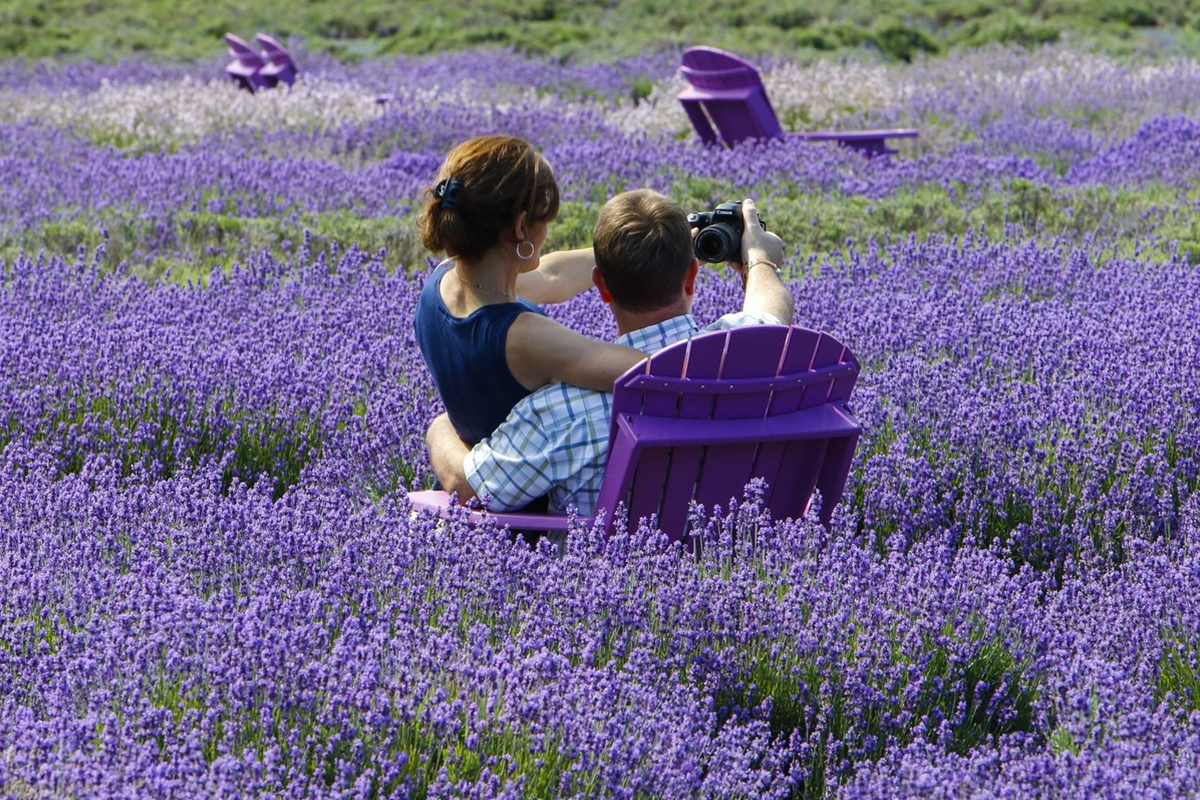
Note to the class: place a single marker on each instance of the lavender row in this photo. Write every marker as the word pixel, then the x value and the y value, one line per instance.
pixel 490 69
pixel 1057 118
pixel 1013 391
pixel 262 372
pixel 171 639
pixel 1060 87
pixel 203 207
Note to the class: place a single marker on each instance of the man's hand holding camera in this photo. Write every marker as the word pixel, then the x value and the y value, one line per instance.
pixel 760 247
pixel 734 231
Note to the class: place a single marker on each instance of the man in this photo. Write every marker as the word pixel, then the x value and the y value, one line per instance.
pixel 554 443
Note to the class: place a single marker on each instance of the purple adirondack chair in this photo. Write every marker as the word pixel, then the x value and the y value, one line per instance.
pixel 279 67
pixel 247 66
pixel 702 418
pixel 728 102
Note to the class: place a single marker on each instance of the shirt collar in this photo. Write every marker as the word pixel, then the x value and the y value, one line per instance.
pixel 655 337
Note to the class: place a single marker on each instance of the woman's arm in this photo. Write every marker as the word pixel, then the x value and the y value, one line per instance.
pixel 559 277
pixel 540 350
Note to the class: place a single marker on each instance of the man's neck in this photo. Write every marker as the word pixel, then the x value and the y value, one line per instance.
pixel 630 321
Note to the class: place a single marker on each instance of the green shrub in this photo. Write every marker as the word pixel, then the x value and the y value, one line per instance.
pixel 816 39
pixel 188 30
pixel 791 15
pixel 1007 29
pixel 902 41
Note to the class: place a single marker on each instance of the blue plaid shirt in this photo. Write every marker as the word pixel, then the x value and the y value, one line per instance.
pixel 555 441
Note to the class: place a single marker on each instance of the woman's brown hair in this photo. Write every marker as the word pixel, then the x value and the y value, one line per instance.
pixel 482 187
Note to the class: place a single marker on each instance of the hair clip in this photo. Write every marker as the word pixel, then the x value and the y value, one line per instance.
pixel 447 191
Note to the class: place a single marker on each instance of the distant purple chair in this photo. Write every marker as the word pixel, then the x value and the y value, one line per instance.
pixel 247 66
pixel 279 67
pixel 702 418
pixel 728 102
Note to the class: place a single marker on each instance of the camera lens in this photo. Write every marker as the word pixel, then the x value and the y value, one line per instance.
pixel 716 243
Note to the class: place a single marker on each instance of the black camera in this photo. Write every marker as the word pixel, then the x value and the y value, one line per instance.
pixel 720 235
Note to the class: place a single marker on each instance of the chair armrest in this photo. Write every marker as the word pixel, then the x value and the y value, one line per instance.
pixel 828 420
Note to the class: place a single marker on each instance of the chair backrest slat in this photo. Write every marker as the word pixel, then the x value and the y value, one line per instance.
pixel 280 68
pixel 627 400
pixel 679 485
pixel 797 359
pixel 711 59
pixel 778 384
pixel 771 466
pixel 704 356
pixel 754 353
pixel 247 66
pixel 646 492
pixel 830 351
pixel 240 49
pixel 722 79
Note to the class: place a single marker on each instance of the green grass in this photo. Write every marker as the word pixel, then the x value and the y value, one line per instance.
pixel 188 29
pixel 820 225
pixel 215 241
pixel 814 225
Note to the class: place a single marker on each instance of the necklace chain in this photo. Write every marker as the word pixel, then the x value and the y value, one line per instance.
pixel 481 287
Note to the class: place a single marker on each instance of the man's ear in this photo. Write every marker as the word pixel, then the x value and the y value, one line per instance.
pixel 601 286
pixel 689 280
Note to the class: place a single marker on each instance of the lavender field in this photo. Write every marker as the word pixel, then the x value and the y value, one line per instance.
pixel 212 403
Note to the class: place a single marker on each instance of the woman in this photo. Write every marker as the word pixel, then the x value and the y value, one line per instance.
pixel 482 336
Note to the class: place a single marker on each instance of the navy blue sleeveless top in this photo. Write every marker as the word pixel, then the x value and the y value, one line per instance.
pixel 467 358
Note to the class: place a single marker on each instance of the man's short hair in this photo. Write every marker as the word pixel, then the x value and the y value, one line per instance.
pixel 643 247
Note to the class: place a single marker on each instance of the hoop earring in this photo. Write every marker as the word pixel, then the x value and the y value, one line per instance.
pixel 529 255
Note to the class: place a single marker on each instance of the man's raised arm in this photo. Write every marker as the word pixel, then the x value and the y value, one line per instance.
pixel 762 253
